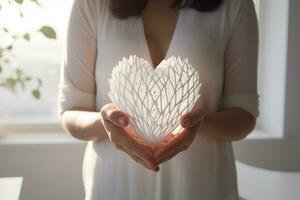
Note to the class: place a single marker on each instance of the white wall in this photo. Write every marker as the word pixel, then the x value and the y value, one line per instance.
pixel 50 171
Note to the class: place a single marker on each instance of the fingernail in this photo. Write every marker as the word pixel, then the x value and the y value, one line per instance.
pixel 122 120
pixel 186 122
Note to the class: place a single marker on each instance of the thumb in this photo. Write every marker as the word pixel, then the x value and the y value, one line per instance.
pixel 110 113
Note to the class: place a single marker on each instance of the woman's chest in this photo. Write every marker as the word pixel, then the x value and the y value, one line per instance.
pixel 198 38
pixel 194 38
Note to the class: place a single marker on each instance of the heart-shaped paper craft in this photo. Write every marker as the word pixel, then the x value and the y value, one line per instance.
pixel 155 99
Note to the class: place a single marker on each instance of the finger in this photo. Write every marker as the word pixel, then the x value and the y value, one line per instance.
pixel 123 141
pixel 109 112
pixel 168 157
pixel 172 154
pixel 144 152
pixel 164 141
pixel 193 117
pixel 168 139
pixel 120 136
pixel 133 134
pixel 119 147
pixel 184 147
pixel 116 134
pixel 136 158
pixel 173 146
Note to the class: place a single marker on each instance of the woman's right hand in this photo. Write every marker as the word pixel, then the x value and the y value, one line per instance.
pixel 115 122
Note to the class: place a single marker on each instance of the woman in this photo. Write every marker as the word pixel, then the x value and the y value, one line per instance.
pixel 220 39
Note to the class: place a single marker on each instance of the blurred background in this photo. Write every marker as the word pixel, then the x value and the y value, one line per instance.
pixel 35 152
pixel 36 53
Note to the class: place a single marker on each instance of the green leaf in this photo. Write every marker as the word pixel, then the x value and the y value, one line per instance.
pixel 26 36
pixel 36 94
pixel 11 82
pixel 9 47
pixel 48 32
pixel 6 61
pixel 19 72
pixel 19 1
pixel 21 14
pixel 5 29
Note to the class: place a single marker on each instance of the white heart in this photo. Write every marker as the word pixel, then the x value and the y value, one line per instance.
pixel 155 99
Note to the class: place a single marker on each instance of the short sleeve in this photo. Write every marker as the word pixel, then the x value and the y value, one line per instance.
pixel 77 85
pixel 241 59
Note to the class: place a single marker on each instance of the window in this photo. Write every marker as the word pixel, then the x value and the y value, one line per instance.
pixel 40 57
pixel 277 146
pixel 273 27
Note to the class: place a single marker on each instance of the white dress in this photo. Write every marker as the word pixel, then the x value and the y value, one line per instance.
pixel 223 45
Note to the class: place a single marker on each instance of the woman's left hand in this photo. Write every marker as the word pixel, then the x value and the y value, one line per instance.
pixel 172 144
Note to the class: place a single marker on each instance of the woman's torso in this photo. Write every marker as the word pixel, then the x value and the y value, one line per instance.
pixel 206 170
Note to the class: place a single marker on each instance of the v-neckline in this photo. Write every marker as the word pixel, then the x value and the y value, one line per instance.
pixel 145 44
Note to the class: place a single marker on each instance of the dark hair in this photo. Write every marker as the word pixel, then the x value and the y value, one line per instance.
pixel 126 8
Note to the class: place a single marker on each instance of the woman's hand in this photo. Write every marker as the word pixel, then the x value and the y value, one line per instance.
pixel 115 123
pixel 172 144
